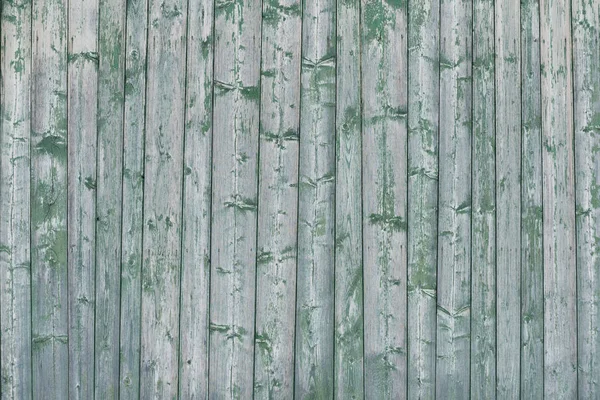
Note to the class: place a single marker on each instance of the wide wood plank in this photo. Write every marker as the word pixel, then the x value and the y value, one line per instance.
pixel 133 198
pixel 49 317
pixel 15 245
pixel 508 197
pixel 560 305
pixel 111 74
pixel 195 264
pixel 384 96
pixel 454 224
pixel 316 209
pixel 349 363
pixel 163 175
pixel 483 267
pixel 234 197
pixel 277 200
pixel 423 130
pixel 82 140
pixel 532 250
pixel 586 87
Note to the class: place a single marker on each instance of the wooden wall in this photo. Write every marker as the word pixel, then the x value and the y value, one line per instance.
pixel 277 199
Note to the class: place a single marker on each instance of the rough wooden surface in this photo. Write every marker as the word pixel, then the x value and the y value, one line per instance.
pixel 15 220
pixel 279 199
pixel 483 251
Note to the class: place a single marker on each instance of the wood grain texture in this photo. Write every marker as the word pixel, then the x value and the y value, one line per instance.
pixel 484 234
pixel 234 197
pixel 49 312
pixel 282 199
pixel 163 175
pixel 508 198
pixel 195 264
pixel 109 187
pixel 423 139
pixel 384 95
pixel 315 315
pixel 532 254
pixel 560 306
pixel 454 223
pixel 134 129
pixel 277 200
pixel 349 312
pixel 82 101
pixel 15 220
pixel 586 87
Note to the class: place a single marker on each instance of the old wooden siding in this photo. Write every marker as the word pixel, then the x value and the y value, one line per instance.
pixel 276 199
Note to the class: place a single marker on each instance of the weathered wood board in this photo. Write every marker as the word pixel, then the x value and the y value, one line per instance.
pixel 277 199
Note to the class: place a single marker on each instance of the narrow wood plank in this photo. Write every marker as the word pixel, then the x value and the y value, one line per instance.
pixel 349 348
pixel 278 200
pixel 81 217
pixel 15 266
pixel 133 198
pixel 234 197
pixel 454 225
pixel 560 305
pixel 111 58
pixel 586 85
pixel 163 175
pixel 195 274
pixel 316 209
pixel 508 197
pixel 532 249
pixel 49 317
pixel 384 97
pixel 483 267
pixel 423 130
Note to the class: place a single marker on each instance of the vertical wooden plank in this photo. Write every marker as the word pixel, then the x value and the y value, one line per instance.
pixel 508 196
pixel 384 96
pixel 193 358
pixel 133 198
pixel 81 217
pixel 483 280
pixel 423 129
pixel 560 311
pixel 49 200
pixel 349 363
pixel 532 249
pixel 234 197
pixel 278 200
pixel 15 136
pixel 454 225
pixel 316 209
pixel 586 85
pixel 163 174
pixel 111 58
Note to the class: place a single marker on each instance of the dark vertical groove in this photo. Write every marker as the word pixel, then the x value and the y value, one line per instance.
pixel 539 12
pixel 574 198
pixel 96 202
pixel 471 219
pixel 302 3
pixel 212 119
pixel 335 154
pixel 181 227
pixel 437 247
pixel 68 327
pixel 520 204
pixel 260 69
pixel 118 386
pixel 31 102
pixel 362 253
pixel 407 119
pixel 143 194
